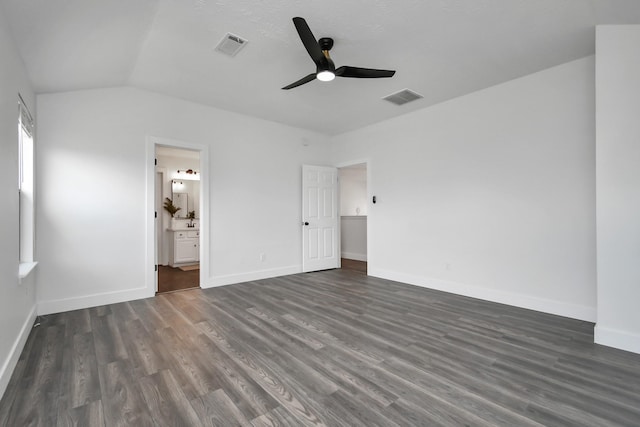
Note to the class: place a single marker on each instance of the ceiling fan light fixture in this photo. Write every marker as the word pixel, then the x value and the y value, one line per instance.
pixel 326 75
pixel 326 70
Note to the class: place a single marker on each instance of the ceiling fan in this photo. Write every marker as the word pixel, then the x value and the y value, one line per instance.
pixel 325 68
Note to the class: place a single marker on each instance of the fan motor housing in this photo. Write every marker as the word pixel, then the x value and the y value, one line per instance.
pixel 326 43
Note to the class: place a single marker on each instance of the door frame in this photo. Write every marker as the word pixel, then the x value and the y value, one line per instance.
pixel 151 273
pixel 345 164
pixel 159 257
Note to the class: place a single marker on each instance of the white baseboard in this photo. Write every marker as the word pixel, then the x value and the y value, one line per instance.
pixel 86 301
pixel 616 338
pixel 354 256
pixel 16 349
pixel 253 275
pixel 517 300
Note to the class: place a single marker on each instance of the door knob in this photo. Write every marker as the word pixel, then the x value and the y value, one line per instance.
pixel 306 223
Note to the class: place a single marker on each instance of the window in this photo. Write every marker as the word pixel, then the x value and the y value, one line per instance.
pixel 26 189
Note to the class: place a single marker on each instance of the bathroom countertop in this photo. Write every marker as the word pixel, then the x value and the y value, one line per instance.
pixel 184 229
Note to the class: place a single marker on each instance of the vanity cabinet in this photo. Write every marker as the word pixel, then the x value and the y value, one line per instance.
pixel 185 247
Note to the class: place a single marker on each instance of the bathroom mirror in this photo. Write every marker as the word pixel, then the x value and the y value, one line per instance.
pixel 181 201
pixel 186 195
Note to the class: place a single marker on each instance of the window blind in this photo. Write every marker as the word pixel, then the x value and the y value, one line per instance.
pixel 26 119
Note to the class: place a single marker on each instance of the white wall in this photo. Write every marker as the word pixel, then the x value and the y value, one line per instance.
pixel 490 195
pixel 92 170
pixel 618 185
pixel 17 300
pixel 353 190
pixel 353 237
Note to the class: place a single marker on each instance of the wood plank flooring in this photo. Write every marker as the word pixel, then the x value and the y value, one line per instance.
pixel 333 348
pixel 173 279
pixel 352 264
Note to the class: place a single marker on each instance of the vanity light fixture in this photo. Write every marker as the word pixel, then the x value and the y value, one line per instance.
pixel 188 171
pixel 187 174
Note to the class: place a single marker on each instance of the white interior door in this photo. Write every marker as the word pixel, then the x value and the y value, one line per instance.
pixel 320 249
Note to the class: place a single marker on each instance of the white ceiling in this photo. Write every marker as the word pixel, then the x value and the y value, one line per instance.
pixel 440 48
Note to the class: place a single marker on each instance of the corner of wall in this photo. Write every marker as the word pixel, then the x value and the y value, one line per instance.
pixel 16 349
pixel 95 300
pixel 617 177
pixel 621 340
pixel 528 302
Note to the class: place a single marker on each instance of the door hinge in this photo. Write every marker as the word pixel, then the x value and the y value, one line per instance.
pixel 156 267
pixel 156 214
pixel 155 162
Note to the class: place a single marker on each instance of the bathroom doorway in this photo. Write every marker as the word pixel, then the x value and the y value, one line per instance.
pixel 178 221
pixel 353 216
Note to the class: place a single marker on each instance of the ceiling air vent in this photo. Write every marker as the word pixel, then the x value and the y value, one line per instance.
pixel 231 44
pixel 402 97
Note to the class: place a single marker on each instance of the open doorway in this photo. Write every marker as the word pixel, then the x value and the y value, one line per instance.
pixel 353 216
pixel 178 205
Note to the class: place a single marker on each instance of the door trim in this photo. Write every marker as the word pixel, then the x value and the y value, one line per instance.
pixel 158 238
pixel 152 142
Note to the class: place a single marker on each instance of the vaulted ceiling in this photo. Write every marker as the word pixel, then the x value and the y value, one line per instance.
pixel 440 48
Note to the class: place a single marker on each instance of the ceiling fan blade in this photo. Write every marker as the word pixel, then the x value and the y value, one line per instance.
pixel 309 41
pixel 302 81
pixel 363 73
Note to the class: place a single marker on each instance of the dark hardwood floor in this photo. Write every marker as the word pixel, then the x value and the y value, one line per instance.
pixel 332 348
pixel 352 264
pixel 173 279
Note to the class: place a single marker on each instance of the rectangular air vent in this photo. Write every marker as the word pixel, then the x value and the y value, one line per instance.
pixel 402 97
pixel 231 44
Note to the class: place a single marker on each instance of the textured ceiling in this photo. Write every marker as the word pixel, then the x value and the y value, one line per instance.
pixel 440 48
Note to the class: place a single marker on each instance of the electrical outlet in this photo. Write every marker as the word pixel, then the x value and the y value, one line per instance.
pixel 263 257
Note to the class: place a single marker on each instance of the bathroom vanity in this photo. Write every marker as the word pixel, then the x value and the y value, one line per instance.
pixel 184 246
